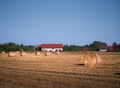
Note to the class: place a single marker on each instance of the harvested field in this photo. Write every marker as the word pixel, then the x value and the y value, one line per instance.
pixel 65 70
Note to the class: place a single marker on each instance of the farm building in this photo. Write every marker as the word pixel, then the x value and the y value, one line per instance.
pixel 109 48
pixel 51 47
pixel 113 48
pixel 103 48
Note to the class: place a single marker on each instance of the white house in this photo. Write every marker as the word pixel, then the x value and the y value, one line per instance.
pixel 51 47
pixel 103 48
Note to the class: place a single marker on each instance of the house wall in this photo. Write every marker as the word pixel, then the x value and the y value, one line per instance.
pixel 103 50
pixel 52 49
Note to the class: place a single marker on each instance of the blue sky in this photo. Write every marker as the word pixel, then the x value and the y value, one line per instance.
pixel 69 22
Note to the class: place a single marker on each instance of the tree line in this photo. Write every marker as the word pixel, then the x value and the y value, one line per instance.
pixel 15 47
pixel 67 48
pixel 91 47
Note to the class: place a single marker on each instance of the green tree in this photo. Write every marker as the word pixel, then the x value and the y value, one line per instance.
pixel 74 48
pixel 71 48
pixel 95 45
pixel 66 48
pixel 9 47
pixel 15 47
pixel 114 44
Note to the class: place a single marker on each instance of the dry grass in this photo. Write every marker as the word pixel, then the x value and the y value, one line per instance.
pixel 65 70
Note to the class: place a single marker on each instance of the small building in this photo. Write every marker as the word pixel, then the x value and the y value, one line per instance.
pixel 103 48
pixel 110 48
pixel 114 48
pixel 51 47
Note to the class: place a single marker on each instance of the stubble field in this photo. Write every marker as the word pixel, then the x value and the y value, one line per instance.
pixel 65 70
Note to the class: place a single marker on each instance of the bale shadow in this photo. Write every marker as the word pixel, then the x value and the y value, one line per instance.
pixel 80 64
pixel 118 73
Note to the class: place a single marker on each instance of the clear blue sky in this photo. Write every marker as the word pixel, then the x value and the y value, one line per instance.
pixel 69 22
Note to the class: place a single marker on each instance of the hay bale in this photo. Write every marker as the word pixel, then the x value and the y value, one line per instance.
pixel 57 52
pixel 99 60
pixel 92 59
pixel 37 53
pixel 47 53
pixel 23 53
pixel 12 54
pixel 18 53
pixel 3 52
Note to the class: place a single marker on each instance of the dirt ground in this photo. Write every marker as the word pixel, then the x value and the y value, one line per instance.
pixel 65 70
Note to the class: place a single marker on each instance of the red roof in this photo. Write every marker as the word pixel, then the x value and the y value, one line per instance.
pixel 51 45
pixel 103 47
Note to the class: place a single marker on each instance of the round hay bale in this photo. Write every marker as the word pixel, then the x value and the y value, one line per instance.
pixel 99 60
pixel 12 54
pixel 92 59
pixel 47 53
pixel 57 52
pixel 37 53
pixel 3 52
pixel 18 53
pixel 23 53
